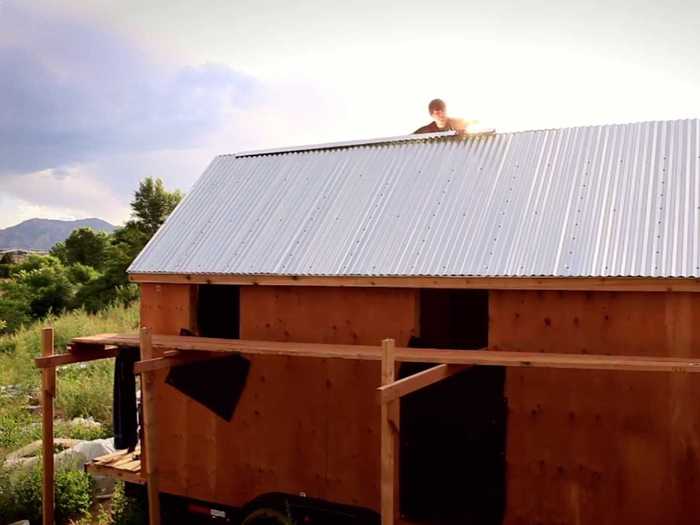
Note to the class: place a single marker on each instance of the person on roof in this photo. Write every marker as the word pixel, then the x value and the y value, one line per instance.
pixel 441 122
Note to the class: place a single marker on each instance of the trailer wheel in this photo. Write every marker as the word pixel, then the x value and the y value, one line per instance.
pixel 266 516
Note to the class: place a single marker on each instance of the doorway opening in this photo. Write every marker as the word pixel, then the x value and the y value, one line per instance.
pixel 453 433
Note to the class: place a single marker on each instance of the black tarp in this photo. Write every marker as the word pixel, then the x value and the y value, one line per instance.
pixel 217 383
pixel 124 404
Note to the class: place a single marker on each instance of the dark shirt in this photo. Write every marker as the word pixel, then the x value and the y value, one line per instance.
pixel 453 124
pixel 432 128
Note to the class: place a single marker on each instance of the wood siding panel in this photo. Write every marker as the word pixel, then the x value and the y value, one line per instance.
pixel 600 447
pixel 346 458
pixel 166 308
pixel 302 424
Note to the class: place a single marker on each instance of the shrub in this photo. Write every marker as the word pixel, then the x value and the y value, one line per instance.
pixel 129 509
pixel 17 427
pixel 23 495
pixel 74 494
pixel 69 430
pixel 20 494
pixel 86 390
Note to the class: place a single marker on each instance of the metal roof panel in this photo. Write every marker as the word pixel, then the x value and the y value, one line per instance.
pixel 596 201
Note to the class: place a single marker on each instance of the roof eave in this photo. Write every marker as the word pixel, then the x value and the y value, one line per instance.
pixel 609 284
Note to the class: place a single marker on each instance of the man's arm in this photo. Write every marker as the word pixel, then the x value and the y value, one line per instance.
pixel 461 125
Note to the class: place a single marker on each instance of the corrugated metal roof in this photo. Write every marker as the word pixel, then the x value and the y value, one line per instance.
pixel 614 200
pixel 350 143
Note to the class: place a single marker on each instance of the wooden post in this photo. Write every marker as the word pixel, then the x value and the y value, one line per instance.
pixel 150 430
pixel 389 439
pixel 48 394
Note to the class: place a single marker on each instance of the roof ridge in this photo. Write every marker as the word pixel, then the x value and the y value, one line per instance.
pixel 428 137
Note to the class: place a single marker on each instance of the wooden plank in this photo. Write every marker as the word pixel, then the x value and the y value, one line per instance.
pixel 275 348
pixel 48 394
pixel 123 465
pixel 619 284
pixel 76 356
pixel 486 357
pixel 175 358
pixel 107 471
pixel 108 458
pixel 402 387
pixel 389 440
pixel 127 339
pixel 132 466
pixel 150 431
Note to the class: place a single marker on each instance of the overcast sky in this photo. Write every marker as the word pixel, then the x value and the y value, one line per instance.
pixel 95 95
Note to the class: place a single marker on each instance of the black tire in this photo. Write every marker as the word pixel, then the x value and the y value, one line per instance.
pixel 266 516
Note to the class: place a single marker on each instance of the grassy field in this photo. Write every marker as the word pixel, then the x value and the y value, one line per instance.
pixel 83 390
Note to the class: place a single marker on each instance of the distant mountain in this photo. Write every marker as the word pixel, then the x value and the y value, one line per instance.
pixel 42 234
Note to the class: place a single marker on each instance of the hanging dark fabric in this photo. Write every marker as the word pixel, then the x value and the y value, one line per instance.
pixel 124 404
pixel 217 384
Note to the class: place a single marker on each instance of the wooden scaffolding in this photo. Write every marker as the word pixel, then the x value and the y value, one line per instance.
pixel 143 468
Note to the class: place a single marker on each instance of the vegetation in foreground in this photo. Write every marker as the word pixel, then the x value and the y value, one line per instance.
pixel 81 288
pixel 83 391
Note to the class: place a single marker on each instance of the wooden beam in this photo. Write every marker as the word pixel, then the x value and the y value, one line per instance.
pixel 175 358
pixel 389 440
pixel 76 356
pixel 48 394
pixel 485 357
pixel 150 430
pixel 610 284
pixel 168 342
pixel 402 387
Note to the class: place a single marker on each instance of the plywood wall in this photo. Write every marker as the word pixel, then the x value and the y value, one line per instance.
pixel 601 447
pixel 302 424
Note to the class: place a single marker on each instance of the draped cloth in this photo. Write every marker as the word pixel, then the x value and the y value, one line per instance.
pixel 124 404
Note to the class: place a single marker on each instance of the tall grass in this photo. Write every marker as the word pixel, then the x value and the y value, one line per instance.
pixel 82 389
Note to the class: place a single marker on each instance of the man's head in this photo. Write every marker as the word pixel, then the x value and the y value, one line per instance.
pixel 438 111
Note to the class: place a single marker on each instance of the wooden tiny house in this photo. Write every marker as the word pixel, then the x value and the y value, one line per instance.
pixel 363 282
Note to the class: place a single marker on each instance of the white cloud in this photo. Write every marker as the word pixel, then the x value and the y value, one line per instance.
pixel 66 193
pixel 72 93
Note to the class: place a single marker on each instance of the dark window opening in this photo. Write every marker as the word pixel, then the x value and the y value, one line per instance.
pixel 218 311
pixel 453 433
pixel 454 318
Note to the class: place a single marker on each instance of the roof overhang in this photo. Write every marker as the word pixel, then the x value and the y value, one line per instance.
pixel 608 284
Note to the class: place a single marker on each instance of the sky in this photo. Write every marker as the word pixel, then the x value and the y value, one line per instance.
pixel 95 95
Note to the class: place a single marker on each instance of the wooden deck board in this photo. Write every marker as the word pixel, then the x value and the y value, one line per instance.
pixel 119 465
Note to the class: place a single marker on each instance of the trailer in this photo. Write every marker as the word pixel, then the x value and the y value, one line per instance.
pixel 423 329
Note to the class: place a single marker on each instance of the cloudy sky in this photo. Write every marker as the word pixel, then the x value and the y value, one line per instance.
pixel 97 94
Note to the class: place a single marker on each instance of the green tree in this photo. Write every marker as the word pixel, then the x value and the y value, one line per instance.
pixel 47 284
pixel 81 274
pixel 6 264
pixel 38 285
pixel 14 306
pixel 84 246
pixel 152 204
